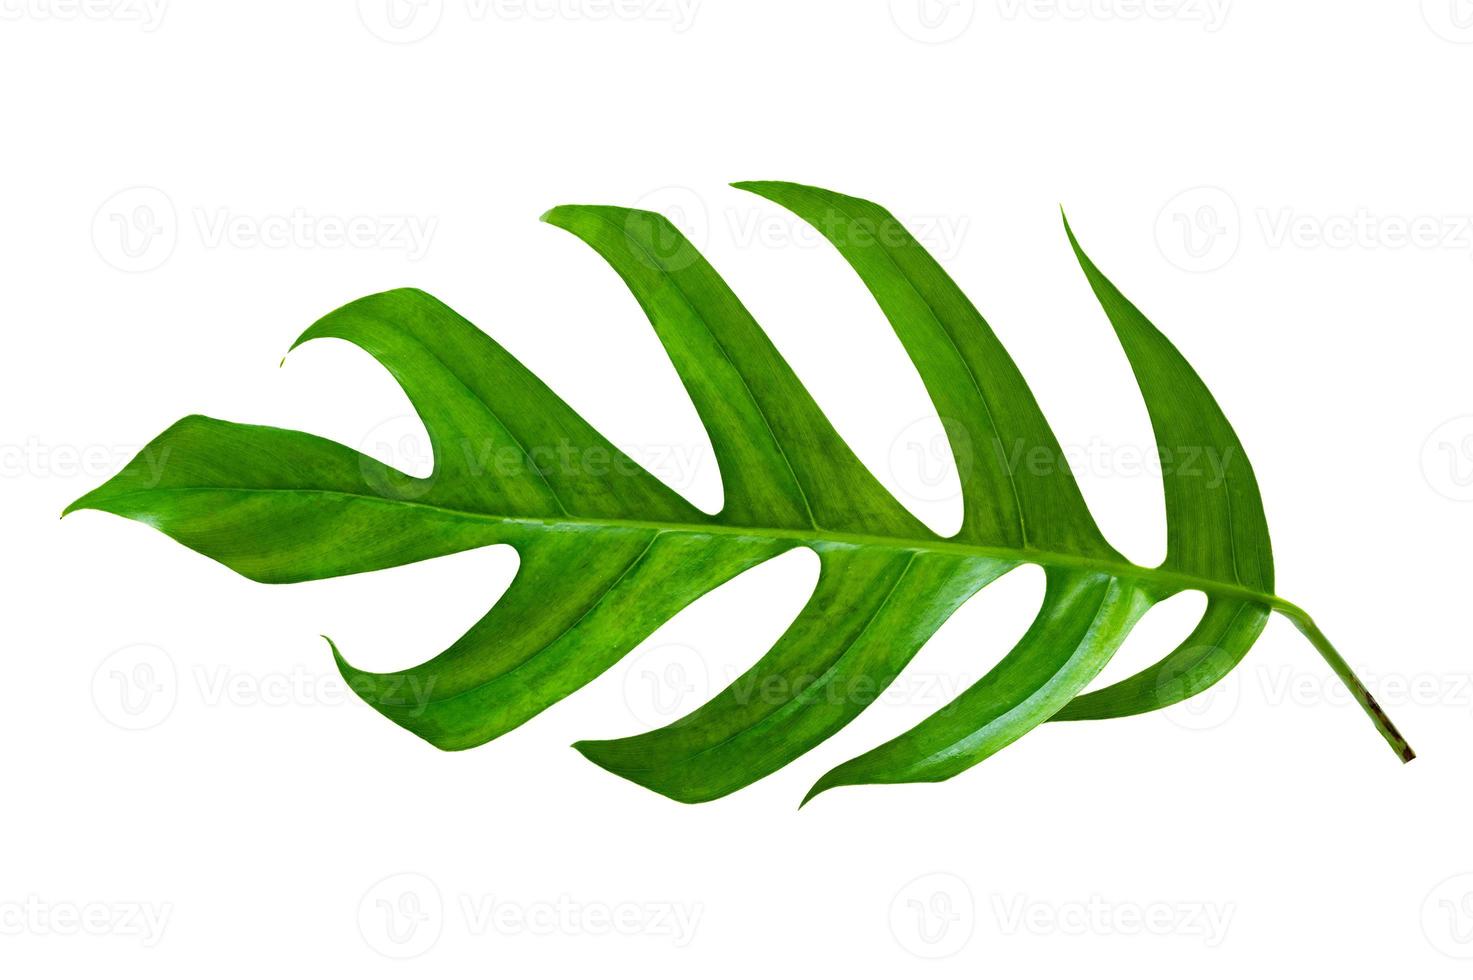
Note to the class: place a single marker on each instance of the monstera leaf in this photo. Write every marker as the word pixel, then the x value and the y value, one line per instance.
pixel 608 552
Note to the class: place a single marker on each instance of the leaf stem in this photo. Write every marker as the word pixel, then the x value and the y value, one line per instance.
pixel 1382 721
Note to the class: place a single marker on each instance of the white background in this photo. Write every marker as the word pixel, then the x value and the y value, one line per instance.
pixel 1283 188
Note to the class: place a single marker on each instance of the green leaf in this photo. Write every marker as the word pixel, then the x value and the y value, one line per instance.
pixel 608 553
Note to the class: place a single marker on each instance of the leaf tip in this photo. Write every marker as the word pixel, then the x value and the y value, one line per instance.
pixel 1068 229
pixel 827 782
pixel 344 667
pixel 87 501
pixel 780 192
pixel 592 750
pixel 1085 263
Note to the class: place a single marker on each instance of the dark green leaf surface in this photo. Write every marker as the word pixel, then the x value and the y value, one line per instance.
pixel 608 553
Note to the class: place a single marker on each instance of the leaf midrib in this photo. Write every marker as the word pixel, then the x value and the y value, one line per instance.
pixel 1166 582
